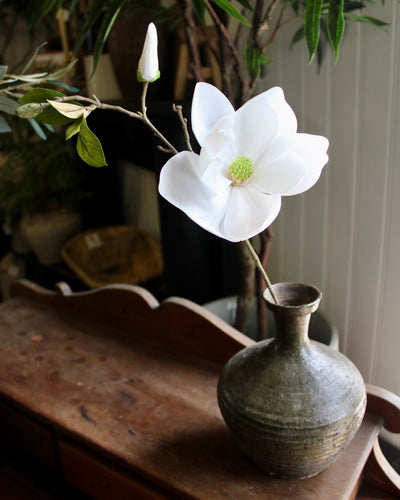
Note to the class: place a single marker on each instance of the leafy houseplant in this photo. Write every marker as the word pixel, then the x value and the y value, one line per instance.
pixel 244 36
pixel 40 179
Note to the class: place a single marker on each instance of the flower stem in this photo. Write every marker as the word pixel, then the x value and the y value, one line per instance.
pixel 139 116
pixel 261 269
pixel 146 120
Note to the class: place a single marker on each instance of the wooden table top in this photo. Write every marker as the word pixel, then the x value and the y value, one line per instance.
pixel 136 382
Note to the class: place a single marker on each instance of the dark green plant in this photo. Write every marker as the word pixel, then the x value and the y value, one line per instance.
pixel 259 24
pixel 38 176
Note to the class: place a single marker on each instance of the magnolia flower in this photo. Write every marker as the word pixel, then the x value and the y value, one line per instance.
pixel 148 63
pixel 248 160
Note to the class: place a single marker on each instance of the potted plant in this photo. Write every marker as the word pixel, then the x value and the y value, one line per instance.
pixel 41 186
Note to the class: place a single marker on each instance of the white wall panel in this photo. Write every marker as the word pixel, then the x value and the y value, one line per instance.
pixel 344 234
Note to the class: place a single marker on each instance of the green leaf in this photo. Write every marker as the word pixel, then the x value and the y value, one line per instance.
pixel 295 4
pixel 246 4
pixel 37 128
pixel 32 59
pixel 8 105
pixel 231 10
pixel 3 71
pixel 92 16
pixel 34 78
pixel 50 128
pixel 366 19
pixel 10 82
pixel 89 147
pixel 72 7
pixel 61 72
pixel 351 5
pixel 108 21
pixel 335 25
pixel 39 95
pixel 297 36
pixel 254 60
pixel 40 8
pixel 73 129
pixel 200 9
pixel 4 126
pixel 66 86
pixel 312 18
pixel 49 115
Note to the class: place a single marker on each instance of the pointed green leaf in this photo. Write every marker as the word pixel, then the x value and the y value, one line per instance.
pixel 3 71
pixel 73 129
pixel 351 5
pixel 40 95
pixel 4 126
pixel 95 11
pixel 32 59
pixel 50 128
pixel 37 128
pixel 312 18
pixel 48 115
pixel 71 8
pixel 335 25
pixel 40 9
pixel 35 78
pixel 231 10
pixel 246 4
pixel 57 83
pixel 200 9
pixel 8 105
pixel 255 59
pixel 108 21
pixel 61 72
pixel 297 36
pixel 9 82
pixel 89 147
pixel 367 20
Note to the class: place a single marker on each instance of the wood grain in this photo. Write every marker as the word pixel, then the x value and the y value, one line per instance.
pixel 117 375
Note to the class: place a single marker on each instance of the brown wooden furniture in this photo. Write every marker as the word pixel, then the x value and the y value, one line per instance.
pixel 118 393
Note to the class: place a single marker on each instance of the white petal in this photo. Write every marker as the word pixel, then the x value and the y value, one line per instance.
pixel 208 106
pixel 248 213
pixel 255 126
pixel 281 175
pixel 217 140
pixel 287 119
pixel 313 149
pixel 181 184
pixel 148 62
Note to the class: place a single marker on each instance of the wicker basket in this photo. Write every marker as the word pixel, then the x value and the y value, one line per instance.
pixel 115 254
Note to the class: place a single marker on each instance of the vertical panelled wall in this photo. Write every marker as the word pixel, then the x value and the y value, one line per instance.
pixel 344 234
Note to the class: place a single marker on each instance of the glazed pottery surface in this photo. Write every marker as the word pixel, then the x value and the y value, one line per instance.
pixel 293 404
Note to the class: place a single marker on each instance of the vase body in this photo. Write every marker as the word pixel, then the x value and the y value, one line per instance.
pixel 292 404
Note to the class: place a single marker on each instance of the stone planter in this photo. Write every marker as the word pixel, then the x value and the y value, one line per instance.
pixel 320 330
pixel 46 233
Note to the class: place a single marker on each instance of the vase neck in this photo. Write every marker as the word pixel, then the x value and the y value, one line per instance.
pixel 291 328
pixel 292 313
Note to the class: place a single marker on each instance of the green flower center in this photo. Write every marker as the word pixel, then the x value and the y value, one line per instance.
pixel 241 169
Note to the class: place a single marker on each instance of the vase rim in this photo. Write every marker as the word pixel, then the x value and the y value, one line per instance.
pixel 293 295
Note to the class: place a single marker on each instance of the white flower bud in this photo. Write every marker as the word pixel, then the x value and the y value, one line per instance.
pixel 148 63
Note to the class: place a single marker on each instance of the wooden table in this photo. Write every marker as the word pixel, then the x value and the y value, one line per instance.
pixel 118 394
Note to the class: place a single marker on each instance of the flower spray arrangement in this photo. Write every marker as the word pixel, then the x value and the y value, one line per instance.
pixel 248 158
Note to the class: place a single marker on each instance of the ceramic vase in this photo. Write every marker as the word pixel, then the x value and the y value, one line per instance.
pixel 292 404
